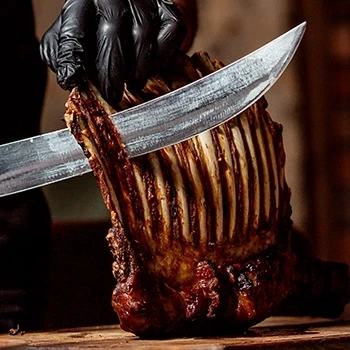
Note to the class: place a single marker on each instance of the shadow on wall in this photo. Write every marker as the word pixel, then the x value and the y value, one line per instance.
pixel 80 277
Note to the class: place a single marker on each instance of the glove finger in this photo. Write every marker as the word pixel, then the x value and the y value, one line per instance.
pixel 144 32
pixel 49 45
pixel 76 29
pixel 113 50
pixel 172 31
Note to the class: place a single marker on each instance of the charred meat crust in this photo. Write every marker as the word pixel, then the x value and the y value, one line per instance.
pixel 234 296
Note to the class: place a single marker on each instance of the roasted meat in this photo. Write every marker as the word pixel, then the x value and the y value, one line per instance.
pixel 201 231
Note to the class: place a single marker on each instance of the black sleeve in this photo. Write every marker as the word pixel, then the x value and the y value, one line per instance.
pixel 23 73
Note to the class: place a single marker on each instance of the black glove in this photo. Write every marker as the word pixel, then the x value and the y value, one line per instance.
pixel 111 42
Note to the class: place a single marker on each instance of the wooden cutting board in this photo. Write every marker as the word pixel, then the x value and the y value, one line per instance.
pixel 274 333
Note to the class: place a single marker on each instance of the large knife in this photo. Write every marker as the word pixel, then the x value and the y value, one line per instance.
pixel 169 119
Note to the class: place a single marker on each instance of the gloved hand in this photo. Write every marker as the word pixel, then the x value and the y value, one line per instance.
pixel 111 42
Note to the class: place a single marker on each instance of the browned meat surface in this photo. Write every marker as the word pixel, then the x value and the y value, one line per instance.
pixel 201 231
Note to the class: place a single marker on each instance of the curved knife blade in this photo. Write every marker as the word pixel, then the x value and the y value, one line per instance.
pixel 208 102
pixel 169 119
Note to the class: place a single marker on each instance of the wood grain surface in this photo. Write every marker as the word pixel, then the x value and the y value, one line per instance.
pixel 274 333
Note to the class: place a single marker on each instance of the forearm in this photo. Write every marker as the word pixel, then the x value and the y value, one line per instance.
pixel 188 10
